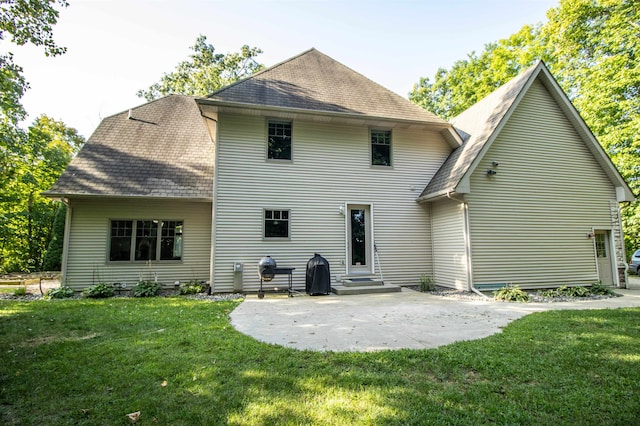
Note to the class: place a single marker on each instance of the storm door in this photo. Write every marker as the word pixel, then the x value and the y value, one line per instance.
pixel 604 258
pixel 359 240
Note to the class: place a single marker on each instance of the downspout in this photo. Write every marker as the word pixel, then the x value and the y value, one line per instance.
pixel 467 243
pixel 212 256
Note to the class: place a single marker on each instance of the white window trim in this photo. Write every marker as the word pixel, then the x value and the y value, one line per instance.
pixel 264 228
pixel 266 147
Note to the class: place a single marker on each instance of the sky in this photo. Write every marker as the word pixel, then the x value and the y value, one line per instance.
pixel 117 47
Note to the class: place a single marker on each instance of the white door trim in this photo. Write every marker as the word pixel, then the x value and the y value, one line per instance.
pixel 369 239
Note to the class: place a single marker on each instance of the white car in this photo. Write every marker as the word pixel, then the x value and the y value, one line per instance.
pixel 634 263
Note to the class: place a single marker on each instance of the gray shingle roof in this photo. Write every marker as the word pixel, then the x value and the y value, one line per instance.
pixel 313 81
pixel 477 125
pixel 163 150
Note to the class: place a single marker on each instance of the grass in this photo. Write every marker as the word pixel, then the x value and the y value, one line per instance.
pixel 179 362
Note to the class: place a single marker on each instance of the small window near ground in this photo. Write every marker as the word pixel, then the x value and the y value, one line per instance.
pixel 279 140
pixel 381 147
pixel 145 240
pixel 276 223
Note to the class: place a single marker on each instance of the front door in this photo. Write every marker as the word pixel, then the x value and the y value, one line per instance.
pixel 359 239
pixel 603 256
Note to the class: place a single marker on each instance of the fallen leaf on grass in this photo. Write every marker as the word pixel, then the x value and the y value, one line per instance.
pixel 134 417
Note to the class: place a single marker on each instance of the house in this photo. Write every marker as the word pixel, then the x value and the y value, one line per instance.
pixel 309 156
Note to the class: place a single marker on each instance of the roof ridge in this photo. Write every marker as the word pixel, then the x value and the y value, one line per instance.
pixel 149 103
pixel 321 84
pixel 379 85
pixel 272 67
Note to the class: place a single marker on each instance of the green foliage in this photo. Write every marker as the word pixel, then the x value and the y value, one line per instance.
pixel 20 291
pixel 27 162
pixel 205 71
pixel 471 79
pixel 147 288
pixel 53 256
pixel 566 291
pixel 59 293
pixel 192 287
pixel 22 22
pixel 26 22
pixel 26 218
pixel 98 291
pixel 426 283
pixel 599 289
pixel 89 362
pixel 511 293
pixel 593 48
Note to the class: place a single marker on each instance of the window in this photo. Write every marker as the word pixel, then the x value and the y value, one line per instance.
pixel 279 140
pixel 276 223
pixel 601 246
pixel 381 147
pixel 121 232
pixel 145 240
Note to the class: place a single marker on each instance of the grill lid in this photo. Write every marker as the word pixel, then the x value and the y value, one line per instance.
pixel 266 265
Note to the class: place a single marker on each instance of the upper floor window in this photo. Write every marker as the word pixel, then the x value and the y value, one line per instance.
pixel 276 223
pixel 145 240
pixel 380 147
pixel 279 140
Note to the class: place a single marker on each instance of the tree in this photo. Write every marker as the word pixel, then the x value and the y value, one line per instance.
pixel 593 48
pixel 24 22
pixel 205 71
pixel 26 217
pixel 469 80
pixel 53 257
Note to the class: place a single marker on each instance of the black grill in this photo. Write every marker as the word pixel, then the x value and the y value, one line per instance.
pixel 266 268
pixel 318 276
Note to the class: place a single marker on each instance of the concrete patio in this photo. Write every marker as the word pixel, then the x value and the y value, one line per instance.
pixel 406 319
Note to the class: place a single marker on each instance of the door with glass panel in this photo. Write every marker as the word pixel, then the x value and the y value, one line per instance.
pixel 359 241
pixel 603 255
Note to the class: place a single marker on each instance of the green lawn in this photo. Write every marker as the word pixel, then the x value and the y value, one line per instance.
pixel 179 362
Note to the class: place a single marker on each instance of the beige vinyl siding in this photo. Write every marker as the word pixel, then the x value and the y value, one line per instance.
pixel 449 249
pixel 89 242
pixel 330 167
pixel 529 222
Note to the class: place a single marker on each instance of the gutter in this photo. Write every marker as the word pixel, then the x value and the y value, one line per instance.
pixel 67 196
pixel 437 123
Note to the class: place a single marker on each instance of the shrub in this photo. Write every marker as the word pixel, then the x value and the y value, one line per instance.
pixel 599 289
pixel 192 287
pixel 566 291
pixel 20 291
pixel 511 294
pixel 59 293
pixel 426 283
pixel 98 291
pixel 146 289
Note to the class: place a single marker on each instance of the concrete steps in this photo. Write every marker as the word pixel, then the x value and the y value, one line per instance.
pixel 363 285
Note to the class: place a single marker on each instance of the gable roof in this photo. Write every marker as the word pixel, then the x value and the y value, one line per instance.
pixel 159 149
pixel 482 122
pixel 315 83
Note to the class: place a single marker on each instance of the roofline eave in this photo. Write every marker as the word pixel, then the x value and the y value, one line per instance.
pixel 65 195
pixel 438 124
pixel 445 193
